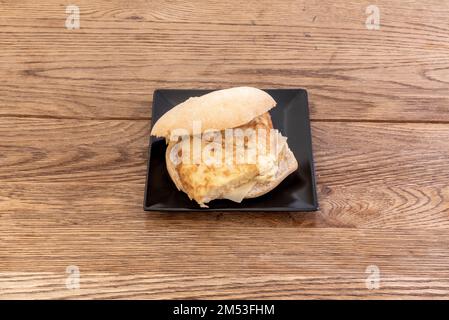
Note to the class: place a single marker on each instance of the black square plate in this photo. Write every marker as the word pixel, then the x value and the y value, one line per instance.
pixel 296 193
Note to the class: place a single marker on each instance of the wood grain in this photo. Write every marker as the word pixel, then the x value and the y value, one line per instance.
pixel 371 213
pixel 75 112
pixel 369 174
pixel 311 263
pixel 110 67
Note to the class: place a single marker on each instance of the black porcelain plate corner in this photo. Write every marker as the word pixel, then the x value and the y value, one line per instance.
pixel 296 193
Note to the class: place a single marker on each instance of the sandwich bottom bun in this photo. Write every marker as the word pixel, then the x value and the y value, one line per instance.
pixel 287 164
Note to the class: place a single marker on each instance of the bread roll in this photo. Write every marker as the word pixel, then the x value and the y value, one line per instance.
pixel 218 110
pixel 243 108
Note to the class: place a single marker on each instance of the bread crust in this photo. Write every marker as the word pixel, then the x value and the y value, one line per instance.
pixel 218 110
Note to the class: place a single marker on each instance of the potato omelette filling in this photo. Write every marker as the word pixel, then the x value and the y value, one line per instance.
pixel 222 170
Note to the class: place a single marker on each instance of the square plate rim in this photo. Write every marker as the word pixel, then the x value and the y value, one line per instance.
pixel 314 206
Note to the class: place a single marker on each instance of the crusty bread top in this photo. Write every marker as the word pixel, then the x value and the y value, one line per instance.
pixel 217 110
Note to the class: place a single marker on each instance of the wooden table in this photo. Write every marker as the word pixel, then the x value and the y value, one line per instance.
pixel 75 110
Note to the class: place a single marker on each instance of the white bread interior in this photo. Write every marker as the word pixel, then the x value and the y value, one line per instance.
pixel 218 110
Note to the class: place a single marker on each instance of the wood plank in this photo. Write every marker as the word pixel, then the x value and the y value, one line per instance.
pixel 66 204
pixel 75 112
pixel 149 286
pixel 223 262
pixel 110 67
pixel 348 154
pixel 370 175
